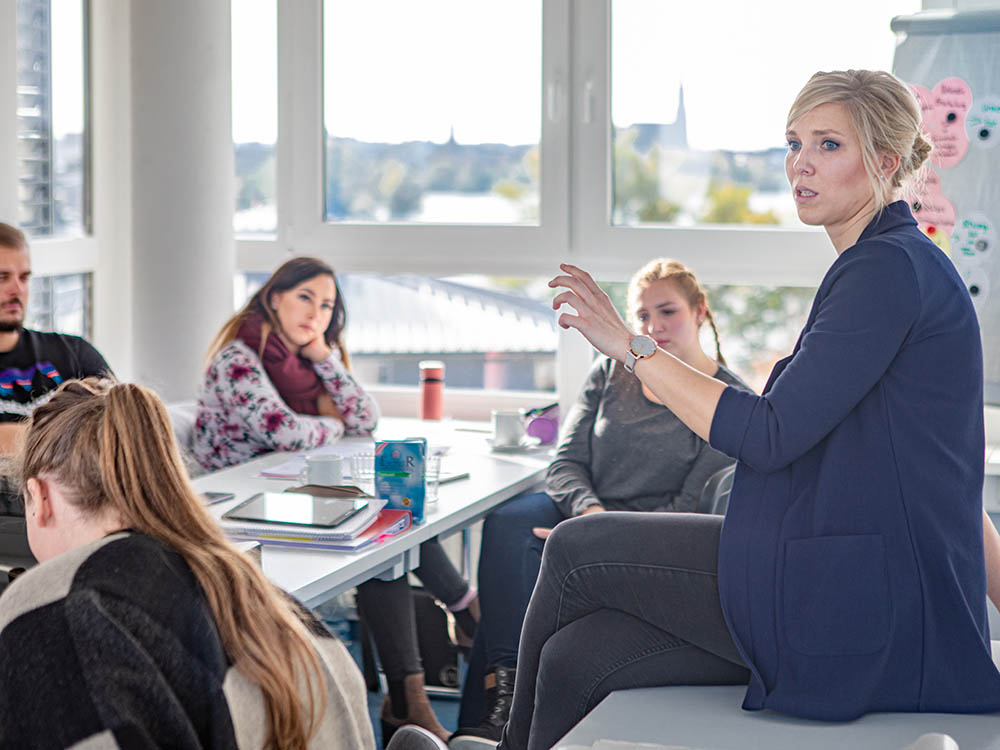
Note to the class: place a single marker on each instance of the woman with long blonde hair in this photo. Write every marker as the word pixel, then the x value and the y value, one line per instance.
pixel 142 624
pixel 852 572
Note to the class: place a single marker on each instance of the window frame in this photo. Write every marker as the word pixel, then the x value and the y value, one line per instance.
pixel 58 254
pixel 425 248
pixel 576 185
pixel 575 199
pixel 719 254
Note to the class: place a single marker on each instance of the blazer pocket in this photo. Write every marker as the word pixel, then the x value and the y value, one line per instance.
pixel 836 599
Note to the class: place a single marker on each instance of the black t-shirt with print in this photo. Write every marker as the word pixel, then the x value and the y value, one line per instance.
pixel 36 367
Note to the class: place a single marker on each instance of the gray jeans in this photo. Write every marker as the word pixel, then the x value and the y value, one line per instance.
pixel 623 600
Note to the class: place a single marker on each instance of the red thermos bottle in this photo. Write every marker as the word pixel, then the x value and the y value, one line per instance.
pixel 431 389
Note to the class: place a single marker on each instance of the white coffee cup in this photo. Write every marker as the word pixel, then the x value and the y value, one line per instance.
pixel 508 427
pixel 324 469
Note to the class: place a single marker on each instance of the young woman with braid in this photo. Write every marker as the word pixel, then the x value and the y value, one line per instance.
pixel 621 449
pixel 143 626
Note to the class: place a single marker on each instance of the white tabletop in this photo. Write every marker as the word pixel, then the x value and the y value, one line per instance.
pixel 690 718
pixel 314 576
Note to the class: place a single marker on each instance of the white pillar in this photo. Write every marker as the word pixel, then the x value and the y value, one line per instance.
pixel 184 255
pixel 111 178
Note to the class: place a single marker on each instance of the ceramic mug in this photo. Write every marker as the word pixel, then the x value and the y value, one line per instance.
pixel 508 427
pixel 324 470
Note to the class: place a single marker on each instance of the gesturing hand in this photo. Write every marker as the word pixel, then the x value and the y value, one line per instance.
pixel 596 318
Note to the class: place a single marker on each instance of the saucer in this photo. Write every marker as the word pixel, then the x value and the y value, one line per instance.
pixel 526 443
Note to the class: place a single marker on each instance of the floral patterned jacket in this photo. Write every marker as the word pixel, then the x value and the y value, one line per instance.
pixel 241 415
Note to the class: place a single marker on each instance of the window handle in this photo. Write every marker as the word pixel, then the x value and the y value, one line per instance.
pixel 554 98
pixel 588 101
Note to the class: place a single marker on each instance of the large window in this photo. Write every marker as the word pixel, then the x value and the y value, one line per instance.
pixel 432 111
pixel 757 325
pixel 52 106
pixel 496 333
pixel 60 303
pixel 500 138
pixel 699 97
pixel 255 115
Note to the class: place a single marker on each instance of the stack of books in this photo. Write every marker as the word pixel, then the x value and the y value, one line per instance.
pixel 369 526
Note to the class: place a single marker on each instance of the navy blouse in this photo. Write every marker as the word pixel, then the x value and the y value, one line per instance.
pixel 851 565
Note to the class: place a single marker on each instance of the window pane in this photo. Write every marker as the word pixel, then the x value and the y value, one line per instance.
pixel 758 325
pixel 53 152
pixel 700 92
pixel 255 114
pixel 432 110
pixel 60 303
pixel 491 332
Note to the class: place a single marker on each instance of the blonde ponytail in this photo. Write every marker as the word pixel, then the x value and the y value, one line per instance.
pixel 137 472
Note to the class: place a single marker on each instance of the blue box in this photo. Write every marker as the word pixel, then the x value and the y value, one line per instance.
pixel 399 474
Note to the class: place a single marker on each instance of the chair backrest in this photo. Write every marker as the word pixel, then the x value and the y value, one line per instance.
pixel 182 417
pixel 715 496
pixel 412 737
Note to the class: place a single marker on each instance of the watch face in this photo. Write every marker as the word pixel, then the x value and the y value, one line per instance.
pixel 643 346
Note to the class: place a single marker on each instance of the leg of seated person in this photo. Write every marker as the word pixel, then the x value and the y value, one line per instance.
pixel 622 653
pixel 658 567
pixel 508 568
pixel 509 560
pixel 473 705
pixel 387 609
pixel 439 575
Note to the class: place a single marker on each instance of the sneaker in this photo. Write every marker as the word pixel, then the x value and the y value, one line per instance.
pixel 499 683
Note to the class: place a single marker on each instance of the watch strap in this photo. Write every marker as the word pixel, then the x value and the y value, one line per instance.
pixel 630 360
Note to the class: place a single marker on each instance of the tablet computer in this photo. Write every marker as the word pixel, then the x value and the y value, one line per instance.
pixel 296 509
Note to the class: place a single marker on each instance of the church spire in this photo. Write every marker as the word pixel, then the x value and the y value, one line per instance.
pixel 680 122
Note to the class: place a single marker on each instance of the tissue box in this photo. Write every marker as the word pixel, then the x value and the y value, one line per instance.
pixel 399 474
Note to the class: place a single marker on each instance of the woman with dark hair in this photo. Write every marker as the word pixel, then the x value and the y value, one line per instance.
pixel 279 380
pixel 279 377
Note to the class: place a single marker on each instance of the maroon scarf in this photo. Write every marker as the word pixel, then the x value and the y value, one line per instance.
pixel 293 376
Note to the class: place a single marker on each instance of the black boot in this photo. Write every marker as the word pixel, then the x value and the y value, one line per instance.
pixel 499 684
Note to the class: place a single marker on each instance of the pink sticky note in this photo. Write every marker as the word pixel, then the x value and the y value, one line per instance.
pixel 934 213
pixel 951 100
pixel 926 101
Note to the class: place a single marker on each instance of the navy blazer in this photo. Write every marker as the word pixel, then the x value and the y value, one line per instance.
pixel 851 565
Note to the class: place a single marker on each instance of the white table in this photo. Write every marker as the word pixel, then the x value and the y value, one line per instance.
pixel 315 576
pixel 695 718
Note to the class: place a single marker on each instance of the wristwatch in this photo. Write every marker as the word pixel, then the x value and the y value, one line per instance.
pixel 639 347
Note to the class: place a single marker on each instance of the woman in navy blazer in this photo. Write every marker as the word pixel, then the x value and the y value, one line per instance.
pixel 851 574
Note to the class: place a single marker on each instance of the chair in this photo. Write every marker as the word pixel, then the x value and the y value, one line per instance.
pixel 182 417
pixel 412 737
pixel 715 496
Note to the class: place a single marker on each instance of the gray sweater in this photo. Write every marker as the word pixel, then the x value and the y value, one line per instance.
pixel 624 452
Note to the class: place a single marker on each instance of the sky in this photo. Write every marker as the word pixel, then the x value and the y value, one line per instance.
pixel 67 67
pixel 399 70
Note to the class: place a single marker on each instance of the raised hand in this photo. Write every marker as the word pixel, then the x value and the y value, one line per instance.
pixel 596 317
